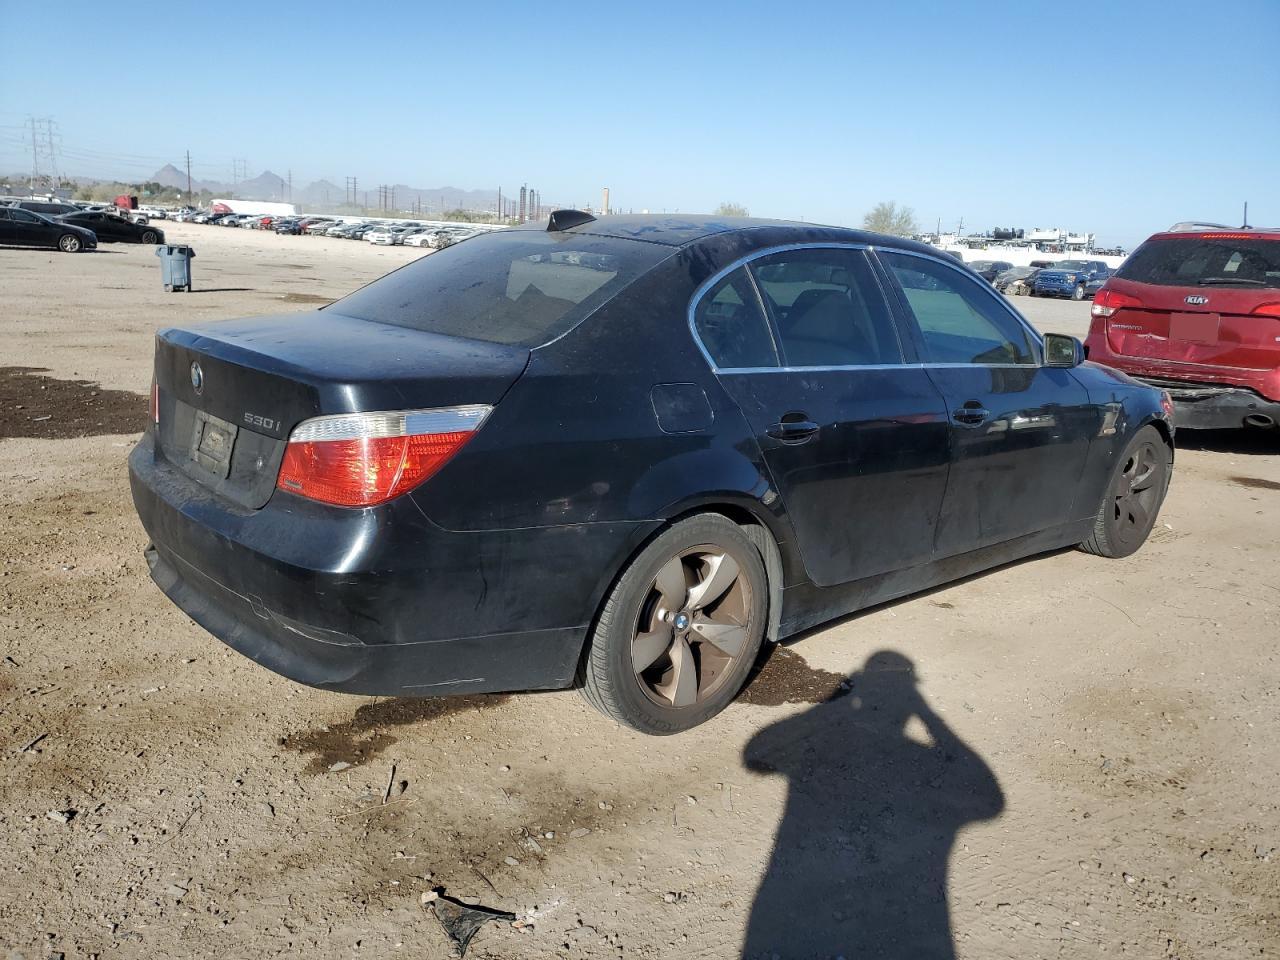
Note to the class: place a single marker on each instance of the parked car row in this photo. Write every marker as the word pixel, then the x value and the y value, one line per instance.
pixel 411 233
pixel 1077 279
pixel 74 231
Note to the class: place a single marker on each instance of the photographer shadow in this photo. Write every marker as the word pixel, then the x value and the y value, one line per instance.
pixel 859 865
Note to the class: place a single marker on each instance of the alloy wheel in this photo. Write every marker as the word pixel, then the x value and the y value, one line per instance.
pixel 1136 495
pixel 69 244
pixel 693 626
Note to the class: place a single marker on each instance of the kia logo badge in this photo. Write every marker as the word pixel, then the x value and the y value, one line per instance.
pixel 197 378
pixel 1196 300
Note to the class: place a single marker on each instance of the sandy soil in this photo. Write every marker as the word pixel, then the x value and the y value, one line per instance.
pixel 1068 757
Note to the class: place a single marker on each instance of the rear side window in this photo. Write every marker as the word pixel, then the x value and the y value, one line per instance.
pixel 517 287
pixel 732 327
pixel 828 308
pixel 960 319
pixel 1205 262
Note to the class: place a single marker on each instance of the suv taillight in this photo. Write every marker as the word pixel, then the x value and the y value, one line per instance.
pixel 363 459
pixel 1107 302
pixel 1268 310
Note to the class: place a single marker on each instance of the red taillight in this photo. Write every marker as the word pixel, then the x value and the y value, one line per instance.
pixel 363 459
pixel 155 401
pixel 1107 302
pixel 1268 310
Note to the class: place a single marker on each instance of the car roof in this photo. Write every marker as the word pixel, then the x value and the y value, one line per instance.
pixel 678 231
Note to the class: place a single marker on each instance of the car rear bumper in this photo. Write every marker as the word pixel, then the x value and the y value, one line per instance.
pixel 306 653
pixel 375 601
pixel 1208 407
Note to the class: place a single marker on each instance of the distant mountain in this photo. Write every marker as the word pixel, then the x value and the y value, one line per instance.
pixel 171 176
pixel 324 194
pixel 265 186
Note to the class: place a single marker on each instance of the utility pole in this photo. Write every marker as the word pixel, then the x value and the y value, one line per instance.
pixel 188 177
pixel 290 183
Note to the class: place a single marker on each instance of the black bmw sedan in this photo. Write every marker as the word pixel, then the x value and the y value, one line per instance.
pixel 112 228
pixel 621 454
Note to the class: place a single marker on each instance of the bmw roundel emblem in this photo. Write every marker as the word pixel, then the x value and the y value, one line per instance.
pixel 197 378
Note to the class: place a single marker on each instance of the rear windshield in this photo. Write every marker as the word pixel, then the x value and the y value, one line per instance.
pixel 1205 262
pixel 518 287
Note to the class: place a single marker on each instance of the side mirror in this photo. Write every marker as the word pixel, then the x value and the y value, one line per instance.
pixel 1062 351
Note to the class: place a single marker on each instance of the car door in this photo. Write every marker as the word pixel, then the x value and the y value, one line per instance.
pixel 110 228
pixel 854 437
pixel 1020 431
pixel 7 229
pixel 28 228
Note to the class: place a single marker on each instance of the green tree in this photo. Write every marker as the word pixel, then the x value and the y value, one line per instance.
pixel 888 217
pixel 728 209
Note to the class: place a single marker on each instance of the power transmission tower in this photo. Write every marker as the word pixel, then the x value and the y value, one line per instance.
pixel 188 176
pixel 35 156
pixel 290 197
pixel 55 180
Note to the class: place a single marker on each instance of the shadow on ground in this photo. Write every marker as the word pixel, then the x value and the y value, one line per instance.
pixel 859 865
pixel 1245 441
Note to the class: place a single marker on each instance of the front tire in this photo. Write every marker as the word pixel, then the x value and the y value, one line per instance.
pixel 1078 292
pixel 149 238
pixel 69 243
pixel 680 630
pixel 1133 498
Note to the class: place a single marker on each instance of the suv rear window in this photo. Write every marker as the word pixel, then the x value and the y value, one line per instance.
pixel 517 287
pixel 1205 262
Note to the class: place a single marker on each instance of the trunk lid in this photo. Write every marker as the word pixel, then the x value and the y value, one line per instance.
pixel 1212 327
pixel 230 393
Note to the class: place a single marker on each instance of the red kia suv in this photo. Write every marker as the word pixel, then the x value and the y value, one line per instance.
pixel 1196 310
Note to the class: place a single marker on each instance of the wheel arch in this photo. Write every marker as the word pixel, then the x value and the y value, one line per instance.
pixel 752 522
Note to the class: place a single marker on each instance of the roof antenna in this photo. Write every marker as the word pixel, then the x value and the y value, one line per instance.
pixel 1245 223
pixel 567 219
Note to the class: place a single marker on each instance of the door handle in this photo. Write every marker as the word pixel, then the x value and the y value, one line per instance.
pixel 971 414
pixel 792 431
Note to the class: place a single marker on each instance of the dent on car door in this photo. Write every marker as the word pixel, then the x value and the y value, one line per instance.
pixel 854 438
pixel 1020 431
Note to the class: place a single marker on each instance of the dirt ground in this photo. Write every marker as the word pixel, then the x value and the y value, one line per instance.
pixel 1067 757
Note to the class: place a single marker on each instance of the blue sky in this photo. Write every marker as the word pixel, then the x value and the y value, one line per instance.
pixel 1119 117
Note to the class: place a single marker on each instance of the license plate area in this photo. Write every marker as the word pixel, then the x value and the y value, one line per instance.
pixel 211 442
pixel 1194 327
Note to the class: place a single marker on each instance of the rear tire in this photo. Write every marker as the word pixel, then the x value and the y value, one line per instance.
pixel 69 243
pixel 1133 497
pixel 680 630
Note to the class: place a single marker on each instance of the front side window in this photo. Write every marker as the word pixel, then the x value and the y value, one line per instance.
pixel 960 319
pixel 828 308
pixel 732 327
